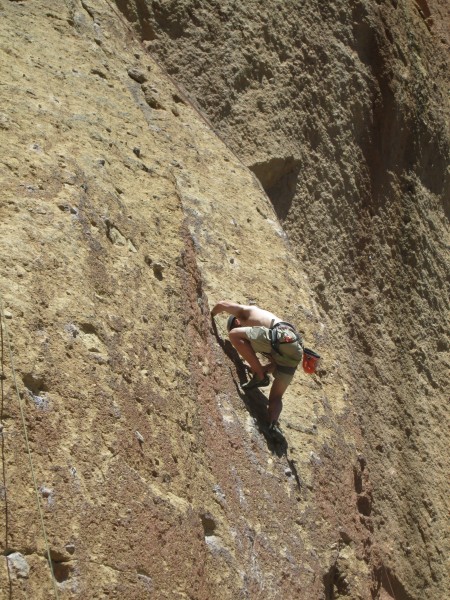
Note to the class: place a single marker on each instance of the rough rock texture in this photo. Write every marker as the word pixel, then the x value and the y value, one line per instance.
pixel 125 217
pixel 341 110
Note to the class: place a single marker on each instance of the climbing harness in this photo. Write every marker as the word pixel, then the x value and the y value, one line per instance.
pixel 24 425
pixel 283 333
pixel 287 344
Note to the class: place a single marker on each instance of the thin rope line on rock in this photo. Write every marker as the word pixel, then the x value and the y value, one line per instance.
pixel 25 432
pixel 388 580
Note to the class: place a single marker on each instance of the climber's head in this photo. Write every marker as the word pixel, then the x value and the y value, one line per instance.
pixel 232 322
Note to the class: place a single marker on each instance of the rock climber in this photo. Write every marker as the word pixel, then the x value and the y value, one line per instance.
pixel 252 329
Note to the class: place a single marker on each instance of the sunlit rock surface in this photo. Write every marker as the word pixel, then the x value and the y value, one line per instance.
pixel 295 157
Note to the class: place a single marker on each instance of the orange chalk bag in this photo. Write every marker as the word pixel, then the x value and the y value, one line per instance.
pixel 310 361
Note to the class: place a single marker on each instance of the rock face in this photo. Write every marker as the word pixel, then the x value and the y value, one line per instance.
pixel 295 157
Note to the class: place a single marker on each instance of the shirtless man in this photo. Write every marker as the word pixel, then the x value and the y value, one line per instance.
pixel 250 331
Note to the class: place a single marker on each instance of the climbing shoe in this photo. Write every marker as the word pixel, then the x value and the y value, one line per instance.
pixel 276 432
pixel 256 382
pixel 273 427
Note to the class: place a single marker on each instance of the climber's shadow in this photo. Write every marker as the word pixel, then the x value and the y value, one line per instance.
pixel 256 403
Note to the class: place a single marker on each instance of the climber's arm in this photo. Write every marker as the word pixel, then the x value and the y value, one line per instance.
pixel 237 310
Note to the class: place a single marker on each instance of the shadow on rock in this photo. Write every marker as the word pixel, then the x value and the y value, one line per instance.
pixel 256 404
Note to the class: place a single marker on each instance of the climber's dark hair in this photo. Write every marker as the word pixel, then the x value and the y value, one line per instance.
pixel 231 323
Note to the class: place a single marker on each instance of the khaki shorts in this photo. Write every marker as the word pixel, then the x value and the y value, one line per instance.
pixel 259 338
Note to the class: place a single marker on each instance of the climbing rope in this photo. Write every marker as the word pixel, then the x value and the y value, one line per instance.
pixel 25 432
pixel 388 580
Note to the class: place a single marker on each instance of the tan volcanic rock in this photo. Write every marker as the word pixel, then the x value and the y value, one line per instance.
pixel 125 218
pixel 119 222
pixel 341 109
